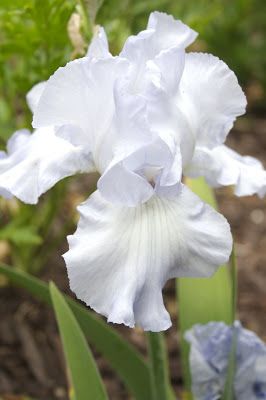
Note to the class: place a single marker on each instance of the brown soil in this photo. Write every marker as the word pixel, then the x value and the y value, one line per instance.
pixel 31 360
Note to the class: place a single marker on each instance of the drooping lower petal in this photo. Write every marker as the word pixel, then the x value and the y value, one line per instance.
pixel 120 258
pixel 36 162
pixel 222 166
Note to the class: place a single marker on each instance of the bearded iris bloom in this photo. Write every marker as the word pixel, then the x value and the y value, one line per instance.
pixel 209 354
pixel 137 119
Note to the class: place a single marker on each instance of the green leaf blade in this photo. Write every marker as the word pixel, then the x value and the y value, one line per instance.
pixel 202 300
pixel 85 377
pixel 123 358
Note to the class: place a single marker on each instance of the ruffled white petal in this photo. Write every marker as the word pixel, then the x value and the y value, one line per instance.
pixel 17 140
pixel 210 98
pixel 36 162
pixel 163 32
pixel 81 95
pixel 143 162
pixel 120 258
pixel 170 65
pixel 134 179
pixel 222 166
pixel 99 45
pixel 170 32
pixel 163 35
pixel 34 95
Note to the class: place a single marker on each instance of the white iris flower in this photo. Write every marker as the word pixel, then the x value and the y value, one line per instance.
pixel 139 119
pixel 209 354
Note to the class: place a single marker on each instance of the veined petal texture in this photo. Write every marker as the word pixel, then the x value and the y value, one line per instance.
pixel 120 257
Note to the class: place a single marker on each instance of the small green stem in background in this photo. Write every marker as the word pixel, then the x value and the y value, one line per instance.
pixel 159 366
pixel 85 19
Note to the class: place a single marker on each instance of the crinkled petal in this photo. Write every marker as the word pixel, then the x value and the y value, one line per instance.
pixel 250 383
pixel 170 65
pixel 163 32
pixel 210 351
pixel 152 168
pixel 206 384
pixel 143 162
pixel 170 32
pixel 99 45
pixel 34 95
pixel 17 140
pixel 120 185
pixel 222 166
pixel 38 163
pixel 119 258
pixel 208 359
pixel 164 35
pixel 210 98
pixel 81 95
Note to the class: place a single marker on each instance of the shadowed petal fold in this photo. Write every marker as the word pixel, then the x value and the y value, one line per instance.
pixel 120 258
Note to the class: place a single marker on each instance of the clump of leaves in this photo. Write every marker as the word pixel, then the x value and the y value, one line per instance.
pixel 34 42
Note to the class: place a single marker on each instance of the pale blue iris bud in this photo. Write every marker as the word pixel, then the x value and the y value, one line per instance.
pixel 209 354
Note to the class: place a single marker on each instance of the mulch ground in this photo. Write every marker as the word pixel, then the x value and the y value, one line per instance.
pixel 31 359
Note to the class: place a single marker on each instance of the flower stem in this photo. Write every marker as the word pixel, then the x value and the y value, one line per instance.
pixel 159 366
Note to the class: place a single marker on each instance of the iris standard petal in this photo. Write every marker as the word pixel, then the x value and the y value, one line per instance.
pixel 81 95
pixel 162 35
pixel 34 95
pixel 163 32
pixel 120 257
pixel 170 32
pixel 210 98
pixel 143 162
pixel 36 162
pixel 98 47
pixel 222 166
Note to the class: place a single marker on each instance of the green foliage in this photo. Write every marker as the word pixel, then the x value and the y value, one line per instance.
pixel 123 358
pixel 85 378
pixel 34 42
pixel 159 365
pixel 20 235
pixel 201 300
